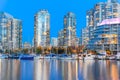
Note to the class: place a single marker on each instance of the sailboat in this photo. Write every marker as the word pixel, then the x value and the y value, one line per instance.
pixel 118 56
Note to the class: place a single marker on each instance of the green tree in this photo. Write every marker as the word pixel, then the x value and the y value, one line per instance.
pixel 61 50
pixel 54 50
pixel 6 51
pixel 39 50
pixel 25 51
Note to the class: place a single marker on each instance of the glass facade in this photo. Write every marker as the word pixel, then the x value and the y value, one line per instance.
pixel 112 9
pixel 102 28
pixel 106 37
pixel 61 38
pixel 16 33
pixel 85 36
pixel 70 29
pixel 67 37
pixel 10 32
pixel 42 29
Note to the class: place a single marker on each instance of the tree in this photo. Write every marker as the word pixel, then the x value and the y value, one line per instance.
pixel 15 51
pixel 39 50
pixel 73 50
pixel 80 49
pixel 54 50
pixel 47 50
pixel 25 50
pixel 95 52
pixel 108 52
pixel 61 50
pixel 6 51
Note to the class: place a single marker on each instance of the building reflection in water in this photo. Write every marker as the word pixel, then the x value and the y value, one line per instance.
pixel 10 70
pixel 114 71
pixel 26 70
pixel 59 70
pixel 41 70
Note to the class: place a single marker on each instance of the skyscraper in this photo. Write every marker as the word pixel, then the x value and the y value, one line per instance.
pixel 42 29
pixel 10 32
pixel 90 18
pixel 70 29
pixel 61 38
pixel 112 9
pixel 16 33
pixel 99 13
pixel 85 36
pixel 104 33
pixel 67 36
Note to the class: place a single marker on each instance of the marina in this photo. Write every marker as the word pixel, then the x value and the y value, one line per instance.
pixel 59 57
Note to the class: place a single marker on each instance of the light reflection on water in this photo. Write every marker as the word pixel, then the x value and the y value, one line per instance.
pixel 59 70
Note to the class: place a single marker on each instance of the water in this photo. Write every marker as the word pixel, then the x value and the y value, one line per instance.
pixel 59 70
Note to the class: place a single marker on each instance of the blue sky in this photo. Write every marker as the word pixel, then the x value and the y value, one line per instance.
pixel 25 10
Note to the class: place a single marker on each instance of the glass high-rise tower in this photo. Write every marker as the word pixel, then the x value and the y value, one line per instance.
pixel 10 32
pixel 70 29
pixel 67 37
pixel 42 29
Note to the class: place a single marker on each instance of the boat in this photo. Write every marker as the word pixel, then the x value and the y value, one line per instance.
pixel 26 57
pixel 3 56
pixel 75 56
pixel 36 57
pixel 41 57
pixel 101 57
pixel 62 56
pixel 80 57
pixel 117 57
pixel 112 57
pixel 53 56
pixel 88 57
pixel 48 56
pixel 13 56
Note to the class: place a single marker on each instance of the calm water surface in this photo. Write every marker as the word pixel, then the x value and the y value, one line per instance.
pixel 59 70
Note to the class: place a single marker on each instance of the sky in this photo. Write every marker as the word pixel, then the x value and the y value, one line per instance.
pixel 26 9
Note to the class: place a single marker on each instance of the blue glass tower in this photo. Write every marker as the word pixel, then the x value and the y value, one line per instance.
pixel 42 29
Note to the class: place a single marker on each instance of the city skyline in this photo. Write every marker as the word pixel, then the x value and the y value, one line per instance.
pixel 60 40
pixel 56 9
